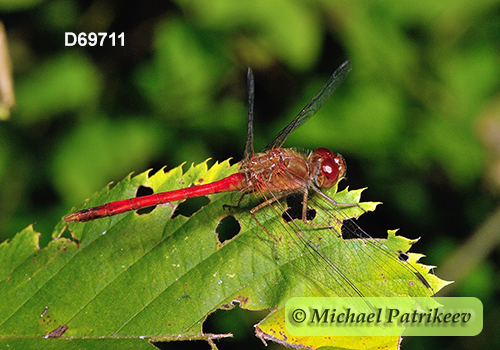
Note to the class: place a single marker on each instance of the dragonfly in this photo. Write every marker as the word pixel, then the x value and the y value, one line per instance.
pixel 273 174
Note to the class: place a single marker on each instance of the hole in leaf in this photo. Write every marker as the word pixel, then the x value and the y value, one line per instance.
pixel 183 345
pixel 67 233
pixel 227 228
pixel 191 206
pixel 141 192
pixel 240 323
pixel 350 230
pixel 294 210
pixel 403 256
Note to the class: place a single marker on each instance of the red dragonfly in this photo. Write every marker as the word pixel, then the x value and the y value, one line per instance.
pixel 275 173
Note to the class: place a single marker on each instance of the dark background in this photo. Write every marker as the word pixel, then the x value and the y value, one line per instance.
pixel 418 118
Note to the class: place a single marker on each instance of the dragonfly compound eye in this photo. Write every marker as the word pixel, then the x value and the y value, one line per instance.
pixel 330 168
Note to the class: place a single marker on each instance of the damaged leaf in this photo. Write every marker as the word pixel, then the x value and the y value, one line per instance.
pixel 135 278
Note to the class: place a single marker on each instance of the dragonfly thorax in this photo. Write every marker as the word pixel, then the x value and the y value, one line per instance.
pixel 282 170
pixel 278 170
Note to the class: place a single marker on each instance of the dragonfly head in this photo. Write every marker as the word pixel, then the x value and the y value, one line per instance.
pixel 328 168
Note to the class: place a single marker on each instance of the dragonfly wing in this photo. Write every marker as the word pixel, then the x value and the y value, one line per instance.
pixel 312 107
pixel 249 152
pixel 396 273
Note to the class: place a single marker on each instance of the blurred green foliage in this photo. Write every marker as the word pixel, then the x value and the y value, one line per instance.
pixel 417 119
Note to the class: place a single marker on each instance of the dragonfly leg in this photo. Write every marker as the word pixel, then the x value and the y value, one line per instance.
pixel 304 207
pixel 309 220
pixel 260 206
pixel 237 206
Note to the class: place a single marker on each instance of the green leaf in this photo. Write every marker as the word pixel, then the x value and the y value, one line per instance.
pixel 130 279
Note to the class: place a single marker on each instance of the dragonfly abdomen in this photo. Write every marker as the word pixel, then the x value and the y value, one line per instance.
pixel 233 182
